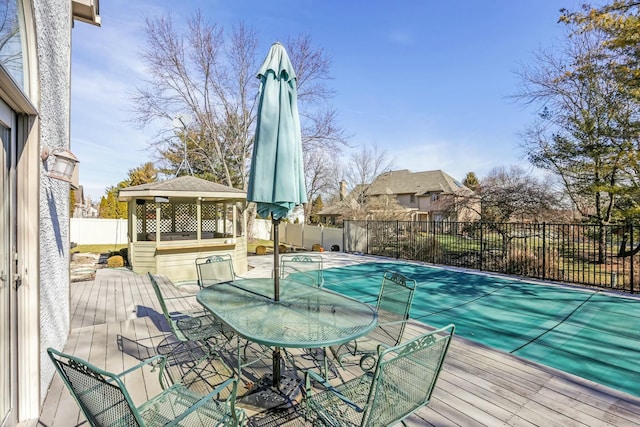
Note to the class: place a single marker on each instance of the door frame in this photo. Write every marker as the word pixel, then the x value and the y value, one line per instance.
pixel 8 231
pixel 24 228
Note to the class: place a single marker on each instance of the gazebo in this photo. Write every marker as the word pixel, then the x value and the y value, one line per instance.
pixel 173 222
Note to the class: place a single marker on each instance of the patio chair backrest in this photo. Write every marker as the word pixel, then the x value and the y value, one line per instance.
pixel 405 377
pixel 179 322
pixel 302 268
pixel 158 292
pixel 215 269
pixel 101 395
pixel 393 307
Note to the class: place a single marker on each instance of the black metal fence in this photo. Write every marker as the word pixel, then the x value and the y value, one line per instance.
pixel 584 254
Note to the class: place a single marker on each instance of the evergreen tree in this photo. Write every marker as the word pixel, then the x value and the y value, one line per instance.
pixel 110 207
pixel 316 207
pixel 588 130
pixel 471 181
pixel 72 202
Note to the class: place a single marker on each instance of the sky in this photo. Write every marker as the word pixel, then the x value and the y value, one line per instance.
pixel 429 82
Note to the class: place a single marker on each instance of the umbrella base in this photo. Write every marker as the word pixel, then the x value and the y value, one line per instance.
pixel 265 395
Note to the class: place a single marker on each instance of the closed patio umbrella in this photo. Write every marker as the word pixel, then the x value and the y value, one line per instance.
pixel 276 179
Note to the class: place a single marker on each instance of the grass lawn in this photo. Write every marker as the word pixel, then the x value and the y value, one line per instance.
pixel 102 249
pixel 97 249
pixel 252 244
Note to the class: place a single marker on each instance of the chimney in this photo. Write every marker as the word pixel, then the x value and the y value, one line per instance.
pixel 343 189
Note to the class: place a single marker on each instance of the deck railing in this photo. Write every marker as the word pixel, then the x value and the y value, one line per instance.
pixel 584 254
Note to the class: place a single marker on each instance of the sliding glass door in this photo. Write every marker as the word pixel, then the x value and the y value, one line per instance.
pixel 8 415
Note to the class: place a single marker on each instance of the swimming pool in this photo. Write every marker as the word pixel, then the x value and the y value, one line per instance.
pixel 588 333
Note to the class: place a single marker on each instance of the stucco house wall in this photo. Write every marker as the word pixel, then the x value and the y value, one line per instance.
pixel 53 23
pixel 424 203
pixel 35 101
pixel 407 200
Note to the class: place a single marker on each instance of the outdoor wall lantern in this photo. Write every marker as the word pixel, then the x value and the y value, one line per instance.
pixel 63 164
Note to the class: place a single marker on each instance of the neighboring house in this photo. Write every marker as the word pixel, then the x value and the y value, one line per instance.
pixel 417 196
pixel 83 207
pixel 35 66
pixel 78 201
pixel 345 208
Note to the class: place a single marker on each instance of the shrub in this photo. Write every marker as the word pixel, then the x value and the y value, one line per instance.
pixel 521 263
pixel 427 249
pixel 115 261
pixel 283 249
pixel 317 248
pixel 261 250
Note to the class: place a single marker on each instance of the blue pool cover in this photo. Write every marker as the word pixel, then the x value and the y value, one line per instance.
pixel 588 333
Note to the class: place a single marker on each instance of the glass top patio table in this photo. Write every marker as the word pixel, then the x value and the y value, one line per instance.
pixel 304 317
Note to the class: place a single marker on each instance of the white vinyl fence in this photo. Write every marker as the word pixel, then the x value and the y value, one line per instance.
pixel 301 235
pixel 100 231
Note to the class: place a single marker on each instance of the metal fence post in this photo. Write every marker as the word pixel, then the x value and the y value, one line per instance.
pixel 632 259
pixel 433 242
pixel 397 239
pixel 367 238
pixel 481 245
pixel 544 250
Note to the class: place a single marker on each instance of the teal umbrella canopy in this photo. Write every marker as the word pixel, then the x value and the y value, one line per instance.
pixel 276 179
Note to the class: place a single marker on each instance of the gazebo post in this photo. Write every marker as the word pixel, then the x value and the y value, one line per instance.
pixel 199 218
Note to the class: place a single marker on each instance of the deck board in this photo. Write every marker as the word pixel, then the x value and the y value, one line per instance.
pixel 116 321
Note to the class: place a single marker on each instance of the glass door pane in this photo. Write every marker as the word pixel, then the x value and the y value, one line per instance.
pixel 5 285
pixel 7 373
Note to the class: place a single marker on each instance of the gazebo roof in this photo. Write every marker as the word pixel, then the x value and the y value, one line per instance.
pixel 182 187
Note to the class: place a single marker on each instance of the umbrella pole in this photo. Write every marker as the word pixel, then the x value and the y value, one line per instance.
pixel 276 295
pixel 276 259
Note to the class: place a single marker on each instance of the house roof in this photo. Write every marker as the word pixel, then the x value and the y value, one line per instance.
pixel 79 196
pixel 338 208
pixel 349 202
pixel 406 182
pixel 400 182
pixel 184 187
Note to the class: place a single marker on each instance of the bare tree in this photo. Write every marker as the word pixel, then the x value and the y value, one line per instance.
pixel 358 172
pixel 379 208
pixel 10 44
pixel 588 129
pixel 208 78
pixel 363 167
pixel 508 195
pixel 210 75
pixel 513 194
pixel 320 171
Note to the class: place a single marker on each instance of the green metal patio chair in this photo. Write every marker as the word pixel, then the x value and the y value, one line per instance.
pixel 393 306
pixel 306 269
pixel 302 268
pixel 189 325
pixel 401 382
pixel 105 401
pixel 215 269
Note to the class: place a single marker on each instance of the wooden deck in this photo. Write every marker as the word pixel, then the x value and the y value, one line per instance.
pixel 116 321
